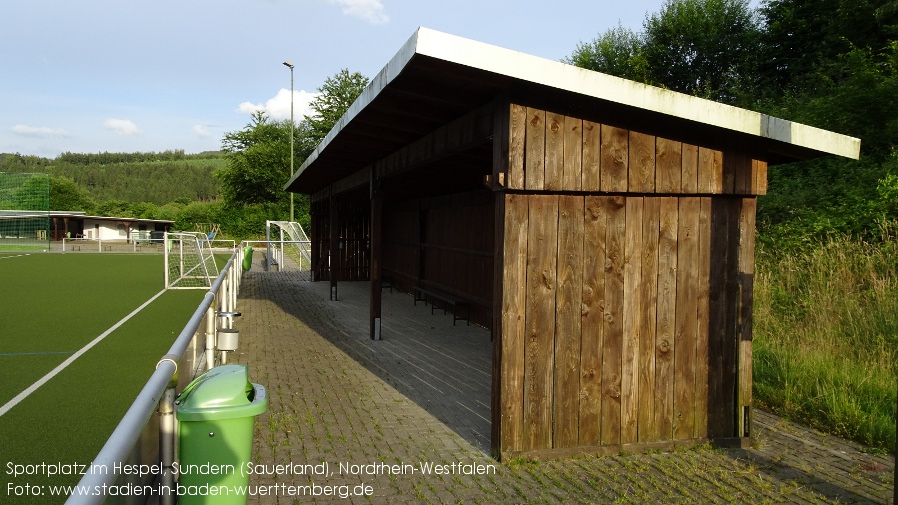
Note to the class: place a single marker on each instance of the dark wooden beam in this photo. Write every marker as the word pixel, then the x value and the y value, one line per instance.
pixel 376 256
pixel 334 246
pixel 466 132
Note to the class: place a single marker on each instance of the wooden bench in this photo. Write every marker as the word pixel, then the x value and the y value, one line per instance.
pixel 447 300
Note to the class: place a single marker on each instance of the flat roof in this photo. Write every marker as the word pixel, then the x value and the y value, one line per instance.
pixel 17 214
pixel 436 78
pixel 131 219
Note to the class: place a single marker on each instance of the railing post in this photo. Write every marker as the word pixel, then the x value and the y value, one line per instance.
pixel 210 336
pixel 222 301
pixel 267 245
pixel 232 287
pixel 167 444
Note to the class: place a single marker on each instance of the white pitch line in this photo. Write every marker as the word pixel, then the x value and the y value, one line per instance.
pixel 16 256
pixel 43 380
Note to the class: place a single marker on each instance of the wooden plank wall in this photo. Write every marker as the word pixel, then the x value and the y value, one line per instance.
pixel 626 331
pixel 446 242
pixel 552 152
pixel 401 246
pixel 354 229
pixel 626 287
pixel 457 249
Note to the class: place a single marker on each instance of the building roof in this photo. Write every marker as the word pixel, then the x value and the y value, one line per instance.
pixel 77 214
pixel 125 219
pixel 436 78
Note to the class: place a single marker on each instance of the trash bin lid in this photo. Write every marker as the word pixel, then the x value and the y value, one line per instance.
pixel 221 393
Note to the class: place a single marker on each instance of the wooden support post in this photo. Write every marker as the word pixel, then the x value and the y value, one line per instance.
pixel 745 298
pixel 497 328
pixel 376 232
pixel 315 236
pixel 334 246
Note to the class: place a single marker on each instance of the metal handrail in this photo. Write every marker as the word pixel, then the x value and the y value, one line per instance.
pixel 156 393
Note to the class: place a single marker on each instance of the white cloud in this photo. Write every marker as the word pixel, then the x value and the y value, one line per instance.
pixel 40 132
pixel 249 107
pixel 278 107
pixel 371 11
pixel 201 131
pixel 124 127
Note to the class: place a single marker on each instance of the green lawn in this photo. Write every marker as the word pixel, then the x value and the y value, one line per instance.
pixel 54 303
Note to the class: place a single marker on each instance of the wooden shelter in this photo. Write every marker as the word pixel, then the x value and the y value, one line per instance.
pixel 602 229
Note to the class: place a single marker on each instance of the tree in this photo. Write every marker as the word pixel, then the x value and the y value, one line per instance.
pixel 699 47
pixel 800 37
pixel 259 154
pixel 618 51
pixel 258 162
pixel 334 98
pixel 702 47
pixel 67 195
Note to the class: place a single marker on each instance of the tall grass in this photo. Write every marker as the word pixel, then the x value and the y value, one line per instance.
pixel 826 336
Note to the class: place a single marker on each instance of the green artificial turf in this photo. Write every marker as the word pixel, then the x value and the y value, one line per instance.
pixel 51 305
pixel 69 418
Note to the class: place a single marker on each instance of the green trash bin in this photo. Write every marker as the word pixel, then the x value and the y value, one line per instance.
pixel 247 258
pixel 215 415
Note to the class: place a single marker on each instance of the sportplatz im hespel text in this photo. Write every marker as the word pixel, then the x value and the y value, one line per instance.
pixel 250 468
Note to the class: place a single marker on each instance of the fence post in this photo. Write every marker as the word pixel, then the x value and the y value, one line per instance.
pixel 267 245
pixel 165 256
pixel 167 444
pixel 210 336
pixel 222 301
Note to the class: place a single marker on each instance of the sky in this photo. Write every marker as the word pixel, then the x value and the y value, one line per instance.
pixel 92 76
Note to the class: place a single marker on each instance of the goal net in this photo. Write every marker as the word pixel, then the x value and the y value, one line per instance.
pixel 24 211
pixel 189 263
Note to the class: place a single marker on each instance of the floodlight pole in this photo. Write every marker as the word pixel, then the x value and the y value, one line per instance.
pixel 290 64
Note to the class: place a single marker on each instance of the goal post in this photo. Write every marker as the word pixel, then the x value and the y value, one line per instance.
pixel 24 211
pixel 288 246
pixel 189 263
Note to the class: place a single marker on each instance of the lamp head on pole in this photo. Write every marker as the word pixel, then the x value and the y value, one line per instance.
pixel 289 63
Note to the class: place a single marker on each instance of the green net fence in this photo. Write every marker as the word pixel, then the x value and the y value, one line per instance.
pixel 24 211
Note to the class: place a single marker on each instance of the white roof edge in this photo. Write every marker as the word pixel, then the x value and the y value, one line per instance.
pixel 135 219
pixel 386 75
pixel 566 77
pixel 625 92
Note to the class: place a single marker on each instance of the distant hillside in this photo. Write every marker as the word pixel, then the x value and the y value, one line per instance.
pixel 156 178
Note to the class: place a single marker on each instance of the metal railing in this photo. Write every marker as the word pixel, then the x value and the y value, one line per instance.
pixel 102 244
pixel 284 256
pixel 152 415
pixel 136 242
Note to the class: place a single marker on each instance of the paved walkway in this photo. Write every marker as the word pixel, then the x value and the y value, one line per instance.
pixel 349 417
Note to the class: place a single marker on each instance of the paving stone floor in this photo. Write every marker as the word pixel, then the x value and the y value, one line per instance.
pixel 357 421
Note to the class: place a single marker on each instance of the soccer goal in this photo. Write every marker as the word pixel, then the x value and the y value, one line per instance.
pixel 288 247
pixel 189 263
